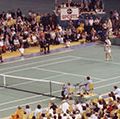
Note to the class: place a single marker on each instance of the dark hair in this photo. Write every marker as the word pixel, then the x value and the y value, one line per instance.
pixel 115 87
pixel 33 117
pixel 38 106
pixel 88 78
pixel 27 106
pixel 105 42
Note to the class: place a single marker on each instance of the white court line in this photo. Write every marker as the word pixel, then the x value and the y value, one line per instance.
pixel 35 57
pixel 23 99
pixel 91 59
pixel 30 80
pixel 109 84
pixel 50 98
pixel 64 73
pixel 94 83
pixel 68 73
pixel 40 80
pixel 9 108
pixel 108 79
pixel 111 78
pixel 41 66
pixel 47 64
pixel 27 64
pixel 29 103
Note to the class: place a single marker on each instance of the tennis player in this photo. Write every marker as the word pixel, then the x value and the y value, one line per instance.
pixel 107 49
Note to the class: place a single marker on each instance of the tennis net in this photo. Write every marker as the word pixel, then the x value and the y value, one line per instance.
pixel 31 85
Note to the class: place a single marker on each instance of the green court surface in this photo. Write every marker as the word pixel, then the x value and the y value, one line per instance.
pixel 46 74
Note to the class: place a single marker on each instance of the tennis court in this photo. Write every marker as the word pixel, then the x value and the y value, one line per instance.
pixel 47 73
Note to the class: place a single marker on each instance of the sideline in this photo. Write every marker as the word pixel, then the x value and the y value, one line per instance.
pixel 35 57
pixel 50 98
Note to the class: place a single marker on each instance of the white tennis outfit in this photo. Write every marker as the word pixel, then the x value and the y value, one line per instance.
pixel 108 46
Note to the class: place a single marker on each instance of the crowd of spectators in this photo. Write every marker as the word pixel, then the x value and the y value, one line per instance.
pixel 18 30
pixel 83 5
pixel 99 108
pixel 22 31
pixel 115 20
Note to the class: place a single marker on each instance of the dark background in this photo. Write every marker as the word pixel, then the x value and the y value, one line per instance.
pixel 43 6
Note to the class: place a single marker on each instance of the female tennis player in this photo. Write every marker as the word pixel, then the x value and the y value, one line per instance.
pixel 107 49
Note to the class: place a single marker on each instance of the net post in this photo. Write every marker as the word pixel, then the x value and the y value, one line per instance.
pixel 4 81
pixel 50 88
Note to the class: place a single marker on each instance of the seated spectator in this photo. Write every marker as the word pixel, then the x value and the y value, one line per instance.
pixel 34 39
pixel 89 87
pixel 117 91
pixel 80 28
pixel 93 35
pixel 64 106
pixel 28 110
pixel 38 110
pixel 64 92
pixel 33 117
pixel 18 113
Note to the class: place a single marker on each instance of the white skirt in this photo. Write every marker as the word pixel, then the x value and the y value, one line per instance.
pixel 21 50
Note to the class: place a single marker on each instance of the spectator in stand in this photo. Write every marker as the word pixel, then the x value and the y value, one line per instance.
pixel 19 12
pixel 110 27
pixel 17 29
pixel 28 110
pixel 93 35
pixel 89 86
pixel 64 92
pixel 95 109
pixel 1 59
pixel 64 106
pixel 115 19
pixel 38 110
pixel 33 117
pixel 117 91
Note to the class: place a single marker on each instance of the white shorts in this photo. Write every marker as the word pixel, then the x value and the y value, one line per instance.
pixel 108 51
